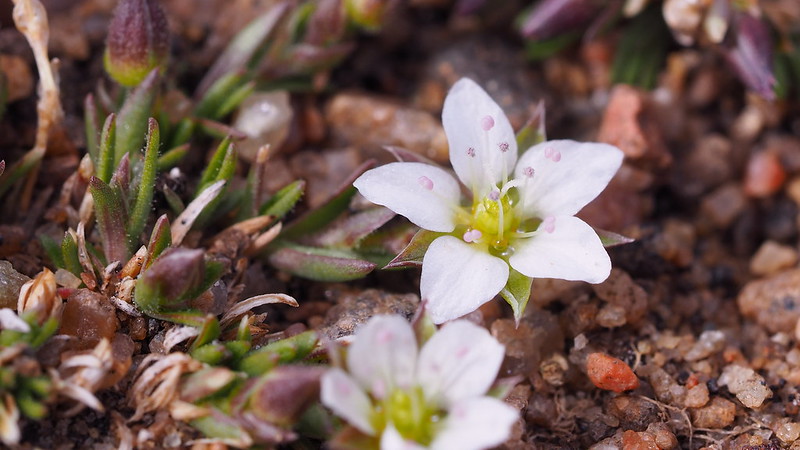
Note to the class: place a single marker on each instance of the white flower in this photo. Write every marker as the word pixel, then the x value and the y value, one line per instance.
pixel 429 398
pixel 522 213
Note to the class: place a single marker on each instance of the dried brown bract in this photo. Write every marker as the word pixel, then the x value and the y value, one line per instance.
pixel 157 381
pixel 39 295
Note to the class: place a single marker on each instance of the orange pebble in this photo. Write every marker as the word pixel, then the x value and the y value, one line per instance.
pixel 609 373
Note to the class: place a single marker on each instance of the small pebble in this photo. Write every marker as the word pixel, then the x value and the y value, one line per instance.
pixel 748 386
pixel 788 432
pixel 90 317
pixel 265 118
pixel 773 302
pixel 710 342
pixel 772 257
pixel 765 175
pixel 633 412
pixel 626 124
pixel 719 413
pixel 372 122
pixel 11 282
pixel 697 396
pixel 609 373
pixel 724 204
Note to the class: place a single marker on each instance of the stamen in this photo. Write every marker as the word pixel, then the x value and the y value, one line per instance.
pixel 471 152
pixel 528 172
pixel 471 236
pixel 425 182
pixel 503 146
pixel 549 224
pixel 487 123
pixel 552 154
pixel 494 195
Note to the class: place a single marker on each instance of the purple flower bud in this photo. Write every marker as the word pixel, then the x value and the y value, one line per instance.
pixel 172 278
pixel 551 18
pixel 138 41
pixel 750 55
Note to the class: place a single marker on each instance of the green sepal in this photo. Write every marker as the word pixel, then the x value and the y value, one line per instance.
pixel 412 255
pixel 211 354
pixel 516 292
pixel 611 239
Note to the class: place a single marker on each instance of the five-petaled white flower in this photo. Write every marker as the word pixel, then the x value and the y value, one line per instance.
pixel 522 212
pixel 429 398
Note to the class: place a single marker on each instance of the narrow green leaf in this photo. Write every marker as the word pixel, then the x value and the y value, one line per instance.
pixel 211 171
pixel 172 157
pixel 295 348
pixel 218 94
pixel 160 240
pixel 208 333
pixel 284 200
pixel 319 264
pixel 243 47
pixel 106 152
pixel 53 250
pixel 108 208
pixel 30 407
pixel 642 50
pixel 183 132
pixel 533 132
pixel 92 128
pixel 233 100
pixel 412 255
pixel 516 292
pixel 316 219
pixel 132 120
pixel 21 168
pixel 144 199
pixel 349 232
pixel 69 254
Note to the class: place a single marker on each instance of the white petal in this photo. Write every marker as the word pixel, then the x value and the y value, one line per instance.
pixel 383 355
pixel 495 150
pixel 572 251
pixel 392 440
pixel 476 424
pixel 425 194
pixel 460 361
pixel 458 277
pixel 344 396
pixel 563 187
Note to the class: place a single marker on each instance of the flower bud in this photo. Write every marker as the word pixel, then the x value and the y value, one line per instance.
pixel 171 280
pixel 367 13
pixel 138 41
pixel 750 55
pixel 282 395
pixel 551 18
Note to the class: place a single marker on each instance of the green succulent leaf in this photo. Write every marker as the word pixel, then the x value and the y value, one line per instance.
pixel 106 151
pixel 132 123
pixel 144 198
pixel 110 221
pixel 292 349
pixel 320 264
